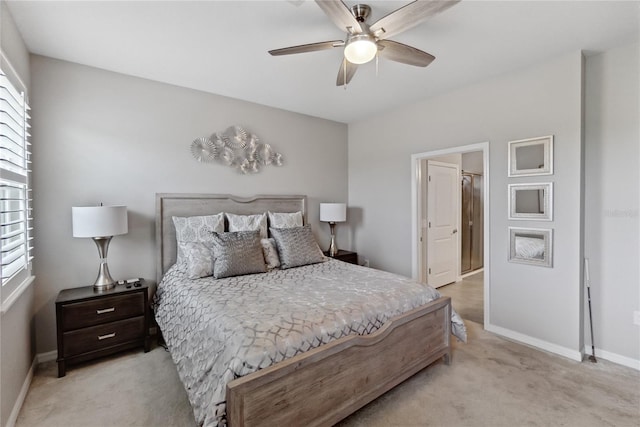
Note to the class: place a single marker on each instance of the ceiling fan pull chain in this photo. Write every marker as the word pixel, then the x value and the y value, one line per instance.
pixel 377 57
pixel 344 73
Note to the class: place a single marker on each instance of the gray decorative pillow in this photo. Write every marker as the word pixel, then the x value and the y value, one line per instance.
pixel 196 229
pixel 285 220
pixel 296 246
pixel 270 252
pixel 198 258
pixel 237 253
pixel 248 223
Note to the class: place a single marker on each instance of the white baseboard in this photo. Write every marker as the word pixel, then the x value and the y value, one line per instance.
pixel 13 417
pixel 613 357
pixel 46 357
pixel 535 342
pixel 40 358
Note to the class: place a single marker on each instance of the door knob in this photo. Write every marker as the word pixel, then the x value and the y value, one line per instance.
pixel 455 230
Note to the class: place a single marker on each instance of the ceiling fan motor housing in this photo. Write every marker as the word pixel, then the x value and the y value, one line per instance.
pixel 361 12
pixel 361 47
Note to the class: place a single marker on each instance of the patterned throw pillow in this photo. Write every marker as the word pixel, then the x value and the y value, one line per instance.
pixel 248 223
pixel 270 252
pixel 296 246
pixel 285 220
pixel 198 258
pixel 196 229
pixel 237 253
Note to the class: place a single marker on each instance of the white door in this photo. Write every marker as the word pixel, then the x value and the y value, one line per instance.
pixel 442 223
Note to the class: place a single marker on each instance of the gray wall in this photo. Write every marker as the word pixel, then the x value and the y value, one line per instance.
pixel 472 162
pixel 106 137
pixel 16 325
pixel 540 304
pixel 611 197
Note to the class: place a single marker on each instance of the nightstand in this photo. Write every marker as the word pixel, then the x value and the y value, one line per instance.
pixel 93 324
pixel 346 256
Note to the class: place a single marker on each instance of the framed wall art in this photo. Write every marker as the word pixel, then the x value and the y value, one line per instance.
pixel 529 157
pixel 531 201
pixel 532 246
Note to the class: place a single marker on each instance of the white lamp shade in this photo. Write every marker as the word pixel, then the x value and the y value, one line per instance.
pixel 99 221
pixel 333 212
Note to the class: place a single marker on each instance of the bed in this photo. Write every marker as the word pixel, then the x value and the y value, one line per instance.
pixel 292 353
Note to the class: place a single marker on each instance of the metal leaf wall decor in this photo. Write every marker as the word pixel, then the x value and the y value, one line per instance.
pixel 236 148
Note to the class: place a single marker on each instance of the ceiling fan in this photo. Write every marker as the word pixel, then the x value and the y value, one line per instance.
pixel 365 41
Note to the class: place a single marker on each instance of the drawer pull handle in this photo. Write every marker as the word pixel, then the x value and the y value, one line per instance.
pixel 104 337
pixel 106 310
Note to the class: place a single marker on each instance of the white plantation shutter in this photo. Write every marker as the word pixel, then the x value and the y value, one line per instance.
pixel 16 246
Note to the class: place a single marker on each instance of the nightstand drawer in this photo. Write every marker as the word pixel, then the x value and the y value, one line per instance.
pixel 345 256
pixel 101 336
pixel 88 313
pixel 351 258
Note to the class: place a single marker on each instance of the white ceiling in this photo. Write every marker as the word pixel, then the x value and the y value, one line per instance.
pixel 221 46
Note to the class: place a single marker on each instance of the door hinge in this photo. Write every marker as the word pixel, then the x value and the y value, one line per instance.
pixel 429 271
pixel 429 224
pixel 429 178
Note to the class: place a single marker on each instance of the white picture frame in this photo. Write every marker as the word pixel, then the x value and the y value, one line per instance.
pixel 531 246
pixel 531 201
pixel 531 157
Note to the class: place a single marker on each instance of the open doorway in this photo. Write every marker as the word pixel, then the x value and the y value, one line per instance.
pixel 472 214
pixel 441 229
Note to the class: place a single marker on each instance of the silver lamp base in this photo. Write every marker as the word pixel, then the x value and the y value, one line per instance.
pixel 103 281
pixel 333 248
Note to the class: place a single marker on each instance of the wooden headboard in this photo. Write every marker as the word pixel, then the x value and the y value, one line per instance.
pixel 184 204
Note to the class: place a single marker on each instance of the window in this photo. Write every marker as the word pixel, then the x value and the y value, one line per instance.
pixel 15 195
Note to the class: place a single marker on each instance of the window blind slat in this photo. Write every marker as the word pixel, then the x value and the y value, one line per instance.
pixel 10 105
pixel 8 271
pixel 8 153
pixel 12 234
pixel 8 87
pixel 11 144
pixel 14 256
pixel 13 123
pixel 11 246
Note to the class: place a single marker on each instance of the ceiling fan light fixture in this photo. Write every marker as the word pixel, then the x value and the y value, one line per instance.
pixel 360 49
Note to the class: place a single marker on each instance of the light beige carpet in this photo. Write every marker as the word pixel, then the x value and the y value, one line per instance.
pixel 467 297
pixel 491 382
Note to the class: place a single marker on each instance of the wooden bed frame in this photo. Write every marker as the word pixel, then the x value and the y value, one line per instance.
pixel 326 384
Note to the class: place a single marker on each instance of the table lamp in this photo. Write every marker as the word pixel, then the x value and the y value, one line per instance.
pixel 332 213
pixel 100 223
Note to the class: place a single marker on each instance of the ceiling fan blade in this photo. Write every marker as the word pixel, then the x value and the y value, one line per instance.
pixel 311 47
pixel 403 53
pixel 409 16
pixel 340 14
pixel 351 70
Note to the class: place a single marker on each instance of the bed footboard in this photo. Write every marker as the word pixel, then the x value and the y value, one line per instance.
pixel 325 385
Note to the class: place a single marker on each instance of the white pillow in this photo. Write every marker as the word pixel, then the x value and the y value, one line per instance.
pixel 248 223
pixel 270 252
pixel 196 229
pixel 285 219
pixel 198 259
